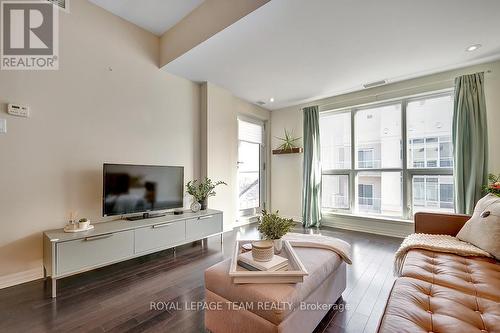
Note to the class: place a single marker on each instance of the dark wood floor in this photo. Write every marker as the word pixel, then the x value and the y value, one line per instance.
pixel 118 298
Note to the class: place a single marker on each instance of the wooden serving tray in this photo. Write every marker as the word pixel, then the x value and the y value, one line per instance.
pixel 294 274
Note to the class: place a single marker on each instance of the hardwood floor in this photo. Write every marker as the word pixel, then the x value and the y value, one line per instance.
pixel 118 298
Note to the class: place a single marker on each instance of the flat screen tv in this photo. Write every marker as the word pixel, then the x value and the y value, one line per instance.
pixel 129 189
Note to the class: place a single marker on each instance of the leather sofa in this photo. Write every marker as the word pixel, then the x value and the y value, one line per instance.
pixel 441 292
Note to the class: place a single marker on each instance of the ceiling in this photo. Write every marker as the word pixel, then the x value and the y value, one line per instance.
pixel 296 51
pixel 156 16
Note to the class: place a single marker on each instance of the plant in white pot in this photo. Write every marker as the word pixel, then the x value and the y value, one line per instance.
pixel 273 227
pixel 201 190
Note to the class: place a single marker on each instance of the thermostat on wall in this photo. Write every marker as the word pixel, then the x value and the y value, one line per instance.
pixel 18 110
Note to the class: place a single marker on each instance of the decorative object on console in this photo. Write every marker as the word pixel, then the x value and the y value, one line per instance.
pixel 288 146
pixel 262 250
pixel 78 229
pixel 75 225
pixel 195 206
pixel 203 190
pixel 83 223
pixel 494 185
pixel 273 227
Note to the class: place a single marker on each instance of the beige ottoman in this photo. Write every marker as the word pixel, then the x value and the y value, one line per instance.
pixel 274 307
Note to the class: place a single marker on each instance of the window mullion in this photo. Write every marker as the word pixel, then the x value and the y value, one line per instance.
pixel 405 177
pixel 352 176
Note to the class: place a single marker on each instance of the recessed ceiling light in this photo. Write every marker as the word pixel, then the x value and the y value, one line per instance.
pixel 271 99
pixel 473 47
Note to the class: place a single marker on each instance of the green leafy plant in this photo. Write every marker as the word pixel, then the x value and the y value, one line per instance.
pixel 201 190
pixel 273 226
pixel 494 185
pixel 288 141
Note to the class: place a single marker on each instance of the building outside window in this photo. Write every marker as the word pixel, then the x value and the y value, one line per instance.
pixel 397 170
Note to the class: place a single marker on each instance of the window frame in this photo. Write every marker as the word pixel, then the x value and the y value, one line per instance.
pixel 406 172
pixel 250 212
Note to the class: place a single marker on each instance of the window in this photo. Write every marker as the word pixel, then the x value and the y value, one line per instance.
pixel 335 132
pixel 335 190
pixel 365 159
pixel 378 137
pixel 365 195
pixel 387 156
pixel 379 193
pixel 250 166
pixel 433 193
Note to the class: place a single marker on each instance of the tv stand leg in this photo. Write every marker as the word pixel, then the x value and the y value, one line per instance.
pixel 54 287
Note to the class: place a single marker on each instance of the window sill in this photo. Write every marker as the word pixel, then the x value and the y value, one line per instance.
pixel 388 219
pixel 389 226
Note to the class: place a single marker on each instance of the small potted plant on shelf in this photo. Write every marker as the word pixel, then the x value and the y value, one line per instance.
pixel 288 143
pixel 273 227
pixel 201 190
pixel 494 185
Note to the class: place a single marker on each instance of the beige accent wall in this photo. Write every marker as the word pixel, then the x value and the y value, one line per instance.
pixel 219 114
pixel 81 116
pixel 286 170
pixel 211 17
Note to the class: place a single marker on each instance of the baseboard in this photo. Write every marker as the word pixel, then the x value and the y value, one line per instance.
pixel 296 219
pixel 20 277
pixel 377 226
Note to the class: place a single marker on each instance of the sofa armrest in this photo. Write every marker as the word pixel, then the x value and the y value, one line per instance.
pixel 436 223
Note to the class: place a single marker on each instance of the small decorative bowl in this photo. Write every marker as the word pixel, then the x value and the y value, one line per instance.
pixel 262 250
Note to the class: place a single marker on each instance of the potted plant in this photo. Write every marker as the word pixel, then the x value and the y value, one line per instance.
pixel 288 142
pixel 201 190
pixel 494 185
pixel 273 227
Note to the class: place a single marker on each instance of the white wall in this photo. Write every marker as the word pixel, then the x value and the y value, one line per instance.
pixel 219 112
pixel 81 116
pixel 286 170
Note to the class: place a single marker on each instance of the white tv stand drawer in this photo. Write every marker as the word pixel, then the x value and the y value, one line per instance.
pixel 94 251
pixel 159 235
pixel 203 226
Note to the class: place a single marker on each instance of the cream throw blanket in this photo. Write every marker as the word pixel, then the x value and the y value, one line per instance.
pixel 438 243
pixel 343 249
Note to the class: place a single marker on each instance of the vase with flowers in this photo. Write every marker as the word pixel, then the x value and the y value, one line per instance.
pixel 202 190
pixel 493 186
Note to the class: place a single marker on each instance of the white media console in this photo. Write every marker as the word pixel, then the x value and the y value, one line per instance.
pixel 66 254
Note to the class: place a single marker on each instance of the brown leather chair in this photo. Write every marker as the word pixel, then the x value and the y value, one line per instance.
pixel 441 292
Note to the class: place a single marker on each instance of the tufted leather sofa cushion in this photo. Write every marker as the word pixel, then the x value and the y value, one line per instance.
pixel 472 275
pixel 420 306
pixel 443 293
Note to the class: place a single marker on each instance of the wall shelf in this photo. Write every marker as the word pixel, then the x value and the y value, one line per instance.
pixel 296 150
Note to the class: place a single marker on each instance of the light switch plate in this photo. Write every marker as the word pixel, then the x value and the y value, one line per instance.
pixel 3 126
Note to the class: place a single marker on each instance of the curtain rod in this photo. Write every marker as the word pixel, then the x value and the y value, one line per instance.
pixel 327 105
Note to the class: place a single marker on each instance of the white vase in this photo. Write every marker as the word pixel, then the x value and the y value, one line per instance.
pixel 278 245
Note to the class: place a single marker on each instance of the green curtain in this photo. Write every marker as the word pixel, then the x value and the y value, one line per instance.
pixel 470 141
pixel 311 190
